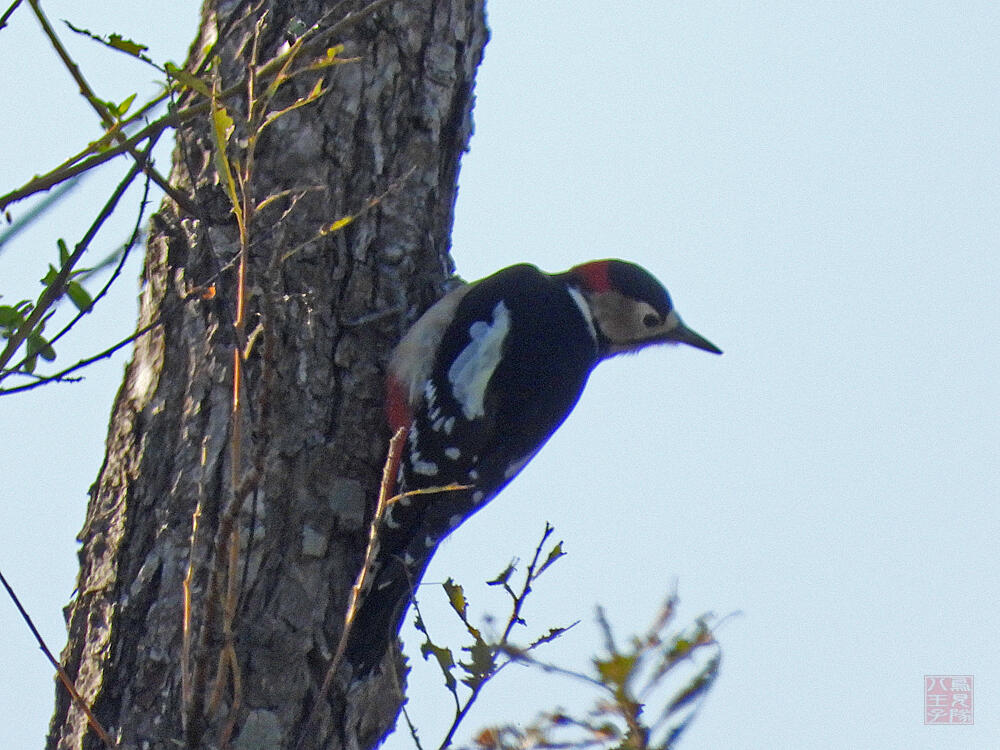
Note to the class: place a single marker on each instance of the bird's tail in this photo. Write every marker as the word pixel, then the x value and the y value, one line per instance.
pixel 380 616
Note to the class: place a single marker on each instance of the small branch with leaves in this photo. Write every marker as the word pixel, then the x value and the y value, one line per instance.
pixel 640 679
pixel 487 656
pixel 632 682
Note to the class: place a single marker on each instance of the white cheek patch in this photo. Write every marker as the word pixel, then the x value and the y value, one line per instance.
pixel 471 371
pixel 581 302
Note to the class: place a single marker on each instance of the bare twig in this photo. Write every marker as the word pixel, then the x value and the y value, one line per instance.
pixel 385 499
pixel 61 375
pixel 29 217
pixel 186 687
pixel 389 471
pixel 8 13
pixel 63 677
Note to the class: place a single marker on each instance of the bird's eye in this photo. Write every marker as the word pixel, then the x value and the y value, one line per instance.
pixel 651 320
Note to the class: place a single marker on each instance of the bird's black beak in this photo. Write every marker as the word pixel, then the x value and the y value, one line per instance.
pixel 684 335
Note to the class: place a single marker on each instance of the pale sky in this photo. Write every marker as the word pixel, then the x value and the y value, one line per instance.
pixel 816 183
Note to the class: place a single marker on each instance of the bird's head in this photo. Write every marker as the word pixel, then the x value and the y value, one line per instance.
pixel 630 308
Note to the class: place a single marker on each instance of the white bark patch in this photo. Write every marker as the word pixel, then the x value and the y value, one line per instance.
pixel 471 371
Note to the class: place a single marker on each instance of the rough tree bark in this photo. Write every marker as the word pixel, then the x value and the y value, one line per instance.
pixel 311 441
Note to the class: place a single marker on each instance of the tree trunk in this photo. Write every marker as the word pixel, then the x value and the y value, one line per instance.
pixel 308 441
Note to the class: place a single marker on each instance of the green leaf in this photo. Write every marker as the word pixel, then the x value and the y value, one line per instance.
pixel 456 596
pixel 123 107
pixel 127 46
pixel 696 687
pixel 332 57
pixel 223 124
pixel 187 79
pixel 222 129
pixel 10 317
pixel 550 636
pixel 50 276
pixel 481 665
pixel 63 251
pixel 338 224
pixel 554 554
pixel 29 364
pixel 616 670
pixel 444 659
pixel 79 296
pixel 504 576
pixel 38 345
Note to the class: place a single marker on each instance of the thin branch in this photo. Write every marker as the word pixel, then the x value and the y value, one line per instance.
pixel 389 472
pixel 61 375
pixel 412 728
pixel 113 125
pixel 529 577
pixel 515 617
pixel 63 677
pixel 55 289
pixel 8 13
pixel 450 682
pixel 73 167
pixel 127 248
pixel 385 498
pixel 186 688
pixel 34 213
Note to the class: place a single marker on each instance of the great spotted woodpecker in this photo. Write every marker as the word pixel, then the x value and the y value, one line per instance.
pixel 481 381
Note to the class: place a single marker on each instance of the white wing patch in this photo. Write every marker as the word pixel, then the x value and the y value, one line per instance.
pixel 471 371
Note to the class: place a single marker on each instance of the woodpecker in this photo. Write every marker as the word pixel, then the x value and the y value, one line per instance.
pixel 480 382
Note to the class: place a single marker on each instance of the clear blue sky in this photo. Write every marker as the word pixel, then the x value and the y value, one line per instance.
pixel 817 184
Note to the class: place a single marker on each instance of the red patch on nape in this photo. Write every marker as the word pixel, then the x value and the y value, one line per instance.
pixel 397 406
pixel 593 275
